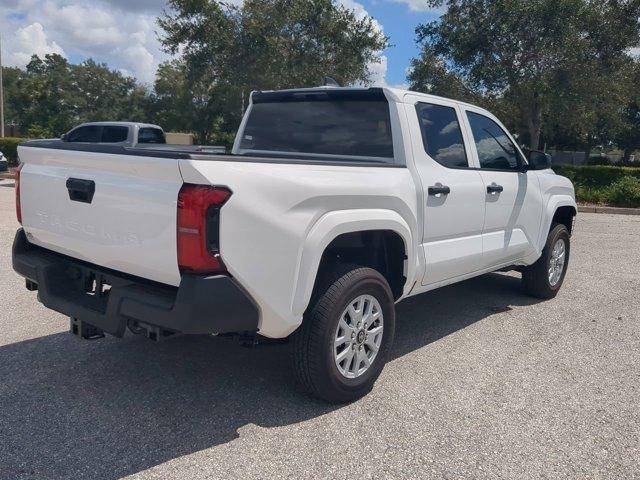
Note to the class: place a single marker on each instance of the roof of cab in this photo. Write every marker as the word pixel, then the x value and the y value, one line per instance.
pixel 396 94
pixel 120 124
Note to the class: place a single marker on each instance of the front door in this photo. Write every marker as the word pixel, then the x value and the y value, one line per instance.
pixel 513 200
pixel 453 192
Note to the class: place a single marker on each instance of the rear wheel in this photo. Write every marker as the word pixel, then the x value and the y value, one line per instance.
pixel 344 341
pixel 544 278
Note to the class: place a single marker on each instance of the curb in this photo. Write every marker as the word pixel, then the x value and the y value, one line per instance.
pixel 611 210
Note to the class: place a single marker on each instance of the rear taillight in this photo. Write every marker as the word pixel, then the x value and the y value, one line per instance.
pixel 18 206
pixel 199 228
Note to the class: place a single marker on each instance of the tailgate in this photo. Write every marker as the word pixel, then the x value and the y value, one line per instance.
pixel 128 225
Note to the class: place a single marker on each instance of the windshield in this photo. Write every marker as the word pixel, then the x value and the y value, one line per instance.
pixel 341 124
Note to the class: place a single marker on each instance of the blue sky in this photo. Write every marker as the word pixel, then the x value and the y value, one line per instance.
pixel 399 22
pixel 122 33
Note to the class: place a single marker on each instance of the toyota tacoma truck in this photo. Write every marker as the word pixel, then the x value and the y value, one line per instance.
pixel 334 205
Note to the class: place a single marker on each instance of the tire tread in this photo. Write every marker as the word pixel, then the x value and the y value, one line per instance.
pixel 306 354
pixel 535 277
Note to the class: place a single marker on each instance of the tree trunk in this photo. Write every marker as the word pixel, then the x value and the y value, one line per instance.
pixel 202 137
pixel 534 134
pixel 534 123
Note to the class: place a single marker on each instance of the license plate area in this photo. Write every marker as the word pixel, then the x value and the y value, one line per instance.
pixel 80 285
pixel 96 285
pixel 95 290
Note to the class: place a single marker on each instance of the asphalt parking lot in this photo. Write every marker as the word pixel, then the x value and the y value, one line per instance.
pixel 484 383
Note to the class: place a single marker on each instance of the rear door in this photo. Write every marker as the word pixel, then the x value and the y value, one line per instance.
pixel 512 196
pixel 128 224
pixel 453 190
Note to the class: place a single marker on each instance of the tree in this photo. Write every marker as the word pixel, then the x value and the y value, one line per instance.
pixel 227 51
pixel 104 94
pixel 11 76
pixel 184 105
pixel 627 136
pixel 47 100
pixel 542 57
pixel 430 74
pixel 51 95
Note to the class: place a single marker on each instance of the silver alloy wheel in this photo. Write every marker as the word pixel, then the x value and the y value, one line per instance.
pixel 557 261
pixel 358 336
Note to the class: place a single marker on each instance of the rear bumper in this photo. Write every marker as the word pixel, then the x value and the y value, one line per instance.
pixel 200 305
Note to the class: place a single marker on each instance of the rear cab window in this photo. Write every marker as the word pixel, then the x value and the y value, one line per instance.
pixel 350 126
pixel 151 135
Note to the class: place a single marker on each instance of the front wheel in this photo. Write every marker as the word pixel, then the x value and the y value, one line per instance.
pixel 544 278
pixel 345 338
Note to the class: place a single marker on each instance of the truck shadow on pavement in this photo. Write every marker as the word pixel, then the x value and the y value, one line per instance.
pixel 110 408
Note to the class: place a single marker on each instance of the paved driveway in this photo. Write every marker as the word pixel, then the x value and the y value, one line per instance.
pixel 484 383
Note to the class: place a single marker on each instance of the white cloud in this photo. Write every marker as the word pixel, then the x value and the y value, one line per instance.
pixel 116 32
pixel 120 33
pixel 635 52
pixel 449 128
pixel 28 41
pixel 378 70
pixel 451 154
pixel 418 5
pixel 85 27
pixel 139 59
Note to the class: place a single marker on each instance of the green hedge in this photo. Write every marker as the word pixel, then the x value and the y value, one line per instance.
pixel 595 176
pixel 9 147
pixel 618 186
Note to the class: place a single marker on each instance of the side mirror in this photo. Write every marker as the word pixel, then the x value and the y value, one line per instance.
pixel 64 137
pixel 538 160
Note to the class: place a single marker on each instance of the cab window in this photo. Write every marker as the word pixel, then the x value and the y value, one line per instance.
pixel 151 135
pixel 495 150
pixel 113 134
pixel 340 125
pixel 88 134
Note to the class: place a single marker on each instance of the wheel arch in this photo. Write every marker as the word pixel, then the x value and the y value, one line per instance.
pixel 346 227
pixel 560 209
pixel 564 214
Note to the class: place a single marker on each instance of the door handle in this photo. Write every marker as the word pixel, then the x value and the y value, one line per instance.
pixel 81 190
pixel 494 188
pixel 439 189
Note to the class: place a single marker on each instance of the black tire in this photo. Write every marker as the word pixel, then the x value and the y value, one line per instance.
pixel 535 278
pixel 314 364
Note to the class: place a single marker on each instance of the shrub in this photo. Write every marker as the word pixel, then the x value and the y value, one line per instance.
pixel 598 160
pixel 9 147
pixel 624 193
pixel 596 176
pixel 590 195
pixel 612 185
pixel 37 131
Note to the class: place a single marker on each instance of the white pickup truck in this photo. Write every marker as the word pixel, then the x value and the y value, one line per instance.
pixel 129 134
pixel 334 205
